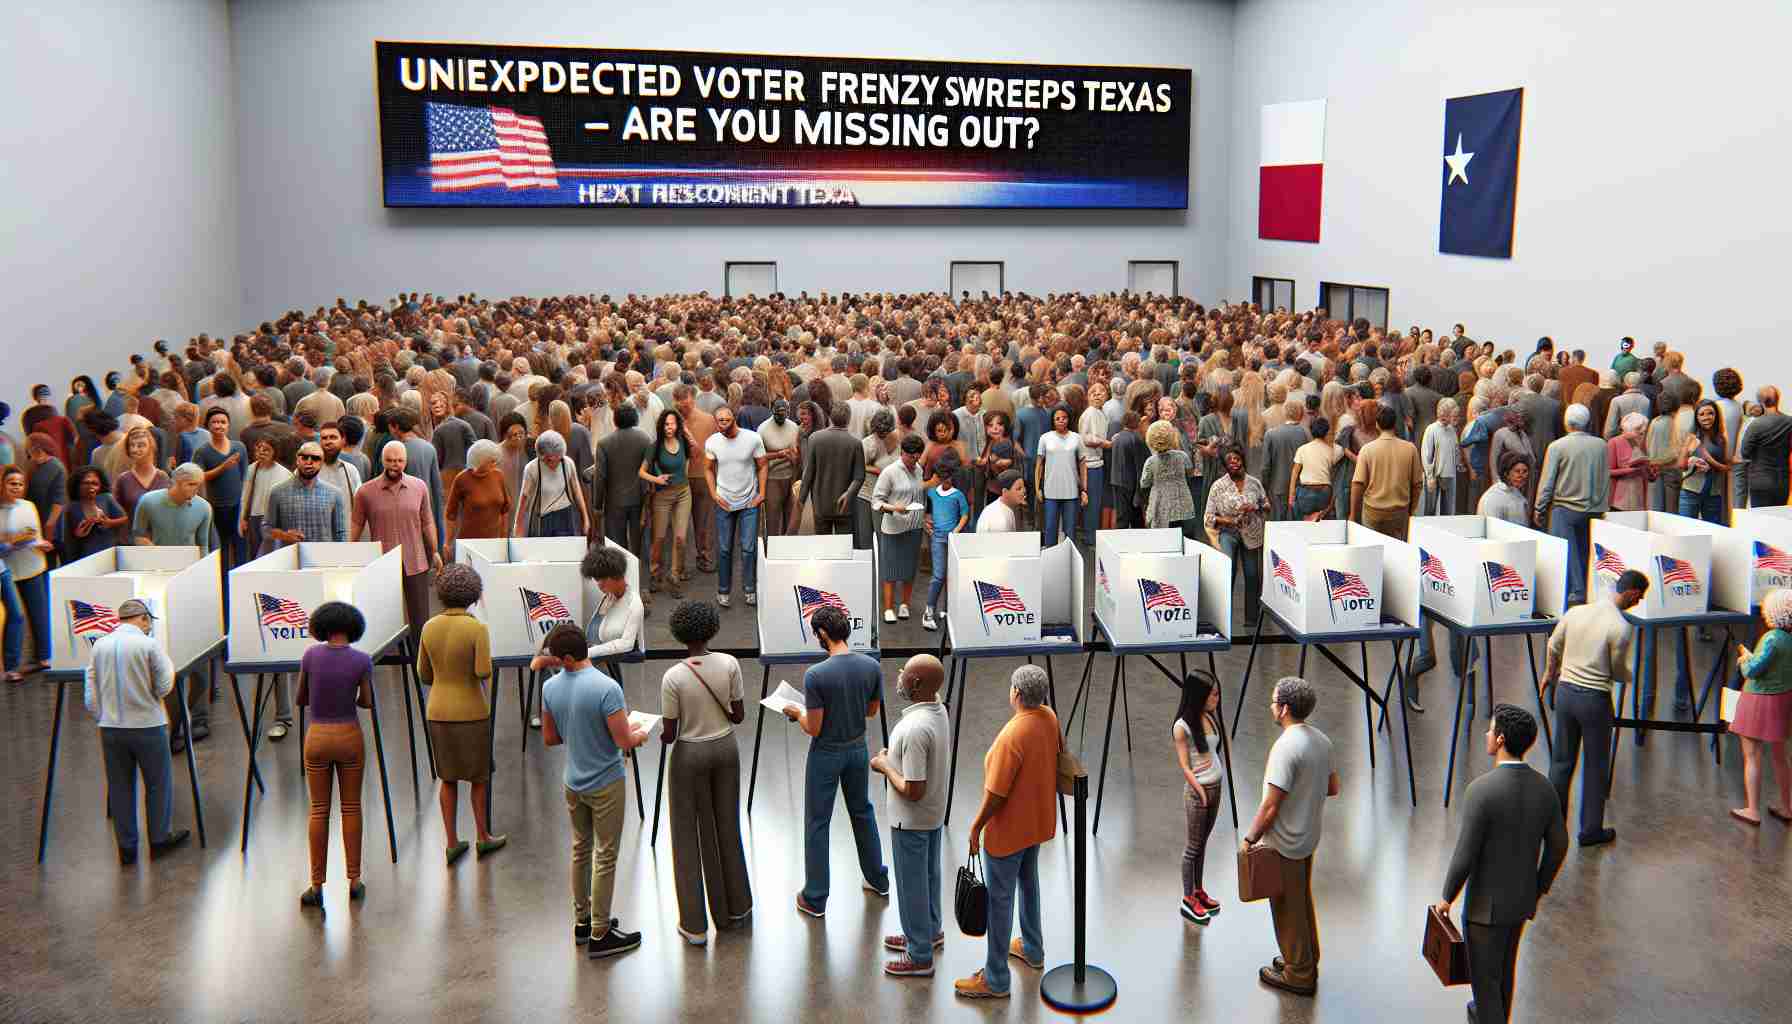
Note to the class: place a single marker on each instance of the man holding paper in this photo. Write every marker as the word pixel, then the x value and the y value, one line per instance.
pixel 839 694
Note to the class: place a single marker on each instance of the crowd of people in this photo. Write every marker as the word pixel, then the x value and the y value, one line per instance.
pixel 684 427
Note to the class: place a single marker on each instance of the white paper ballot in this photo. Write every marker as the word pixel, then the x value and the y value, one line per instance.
pixel 643 720
pixel 1727 707
pixel 916 506
pixel 785 696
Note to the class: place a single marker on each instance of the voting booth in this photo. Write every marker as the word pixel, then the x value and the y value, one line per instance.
pixel 799 576
pixel 1483 571
pixel 1008 592
pixel 1155 587
pixel 1325 577
pixel 531 586
pixel 1674 552
pixel 1766 536
pixel 272 598
pixel 181 586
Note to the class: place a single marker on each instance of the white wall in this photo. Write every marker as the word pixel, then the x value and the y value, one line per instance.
pixel 313 227
pixel 1650 201
pixel 119 173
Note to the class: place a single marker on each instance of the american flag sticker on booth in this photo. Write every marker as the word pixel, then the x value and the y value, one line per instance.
pixel 810 600
pixel 1155 594
pixel 993 597
pixel 273 612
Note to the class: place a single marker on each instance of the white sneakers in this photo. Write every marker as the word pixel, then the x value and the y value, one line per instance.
pixel 889 615
pixel 927 621
pixel 902 611
pixel 722 599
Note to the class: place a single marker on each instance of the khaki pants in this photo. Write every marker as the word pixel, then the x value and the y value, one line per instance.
pixel 671 523
pixel 596 820
pixel 703 523
pixel 1390 522
pixel 333 752
pixel 1297 928
pixel 774 520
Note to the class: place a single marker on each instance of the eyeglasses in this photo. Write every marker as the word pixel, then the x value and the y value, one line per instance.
pixel 311 458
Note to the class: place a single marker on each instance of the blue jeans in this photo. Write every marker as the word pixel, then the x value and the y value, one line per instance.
pixel 1572 527
pixel 1249 561
pixel 1708 505
pixel 1059 512
pixel 1098 496
pixel 230 541
pixel 127 752
pixel 915 857
pixel 936 587
pixel 1002 875
pixel 13 639
pixel 1441 500
pixel 35 592
pixel 742 526
pixel 845 767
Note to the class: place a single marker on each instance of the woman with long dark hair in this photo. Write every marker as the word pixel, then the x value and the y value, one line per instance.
pixel 93 520
pixel 1196 734
pixel 1703 465
pixel 666 468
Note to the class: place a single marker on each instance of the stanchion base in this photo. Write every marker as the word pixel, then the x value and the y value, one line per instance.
pixel 1060 991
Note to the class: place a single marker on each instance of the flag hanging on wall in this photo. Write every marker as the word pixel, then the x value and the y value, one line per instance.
pixel 1291 170
pixel 1480 192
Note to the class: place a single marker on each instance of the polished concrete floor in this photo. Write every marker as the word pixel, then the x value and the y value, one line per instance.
pixel 1684 919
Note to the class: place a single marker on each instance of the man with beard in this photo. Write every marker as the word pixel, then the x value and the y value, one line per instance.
pixel 334 470
pixel 780 434
pixel 393 508
pixel 303 508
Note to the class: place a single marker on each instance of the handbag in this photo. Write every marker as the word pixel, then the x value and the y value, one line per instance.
pixel 1070 769
pixel 1259 874
pixel 970 901
pixel 1444 949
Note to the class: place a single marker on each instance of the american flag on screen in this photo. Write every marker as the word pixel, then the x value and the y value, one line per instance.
pixel 87 618
pixel 1771 558
pixel 486 147
pixel 1502 577
pixel 542 607
pixel 1341 584
pixel 1160 595
pixel 1282 571
pixel 1605 560
pixel 1431 567
pixel 1673 570
pixel 278 611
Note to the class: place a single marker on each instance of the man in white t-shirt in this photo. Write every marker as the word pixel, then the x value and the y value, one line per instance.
pixel 915 764
pixel 1296 783
pixel 735 467
pixel 1003 514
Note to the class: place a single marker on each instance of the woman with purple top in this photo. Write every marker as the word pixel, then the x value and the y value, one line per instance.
pixel 335 680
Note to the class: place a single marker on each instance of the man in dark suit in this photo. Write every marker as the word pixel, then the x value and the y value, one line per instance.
pixel 833 470
pixel 616 486
pixel 1508 852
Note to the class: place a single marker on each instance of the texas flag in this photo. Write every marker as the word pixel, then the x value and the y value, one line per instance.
pixel 1290 170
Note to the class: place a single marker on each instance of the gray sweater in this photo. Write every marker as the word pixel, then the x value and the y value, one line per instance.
pixel 1576 475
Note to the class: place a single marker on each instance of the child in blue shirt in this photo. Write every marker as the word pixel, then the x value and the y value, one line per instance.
pixel 948 511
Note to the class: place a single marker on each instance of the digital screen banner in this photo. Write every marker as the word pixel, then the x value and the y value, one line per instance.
pixel 502 126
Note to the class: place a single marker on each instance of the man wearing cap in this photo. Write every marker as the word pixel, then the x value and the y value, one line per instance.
pixel 124 688
pixel 1626 362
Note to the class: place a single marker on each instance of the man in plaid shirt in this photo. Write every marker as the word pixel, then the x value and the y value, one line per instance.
pixel 305 508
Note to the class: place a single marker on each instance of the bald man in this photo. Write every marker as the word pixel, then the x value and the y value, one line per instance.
pixel 393 508
pixel 915 764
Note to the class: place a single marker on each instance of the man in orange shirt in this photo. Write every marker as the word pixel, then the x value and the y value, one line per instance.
pixel 1020 783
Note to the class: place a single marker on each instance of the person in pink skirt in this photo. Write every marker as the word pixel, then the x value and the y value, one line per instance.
pixel 1764 714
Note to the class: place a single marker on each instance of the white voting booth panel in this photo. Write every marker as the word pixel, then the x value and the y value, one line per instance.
pixel 272 598
pixel 180 586
pixel 1480 571
pixel 1006 591
pixel 1767 537
pixel 1319 579
pixel 1148 585
pixel 531 586
pixel 1676 559
pixel 1399 573
pixel 800 575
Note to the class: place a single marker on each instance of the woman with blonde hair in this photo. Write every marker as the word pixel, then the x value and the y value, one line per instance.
pixel 1164 478
pixel 1249 398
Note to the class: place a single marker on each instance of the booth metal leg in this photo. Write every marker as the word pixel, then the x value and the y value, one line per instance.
pixel 765 678
pixel 1126 707
pixel 410 726
pixel 1075 702
pixel 43 821
pixel 1530 650
pixel 959 666
pixel 1219 710
pixel 379 747
pixel 1400 671
pixel 1464 681
pixel 1301 670
pixel 416 683
pixel 1101 788
pixel 640 803
pixel 262 692
pixel 1244 686
pixel 659 786
pixel 1051 684
pixel 491 751
pixel 1651 672
pixel 242 717
pixel 1639 664
pixel 186 722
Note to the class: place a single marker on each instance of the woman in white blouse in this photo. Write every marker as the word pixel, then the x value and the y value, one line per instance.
pixel 615 629
pixel 703 698
pixel 263 476
pixel 22 540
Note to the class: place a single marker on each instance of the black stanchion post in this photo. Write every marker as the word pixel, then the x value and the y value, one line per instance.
pixel 1080 987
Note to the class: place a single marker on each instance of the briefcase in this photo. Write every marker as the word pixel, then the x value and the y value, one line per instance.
pixel 1259 874
pixel 970 902
pixel 1444 949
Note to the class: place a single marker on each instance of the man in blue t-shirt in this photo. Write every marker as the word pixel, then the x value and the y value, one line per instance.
pixel 584 709
pixel 839 694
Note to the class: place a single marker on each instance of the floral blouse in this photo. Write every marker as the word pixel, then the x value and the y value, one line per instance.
pixel 1165 476
pixel 1243 501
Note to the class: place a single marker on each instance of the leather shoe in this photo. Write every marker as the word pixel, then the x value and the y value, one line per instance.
pixel 1599 838
pixel 1275 978
pixel 175 839
pixel 127 855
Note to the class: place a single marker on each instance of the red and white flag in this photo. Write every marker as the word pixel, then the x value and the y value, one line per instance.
pixel 1291 170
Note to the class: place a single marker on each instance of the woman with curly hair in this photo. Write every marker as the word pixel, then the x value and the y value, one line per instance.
pixel 703 698
pixel 455 660
pixel 1764 713
pixel 1164 478
pixel 335 681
